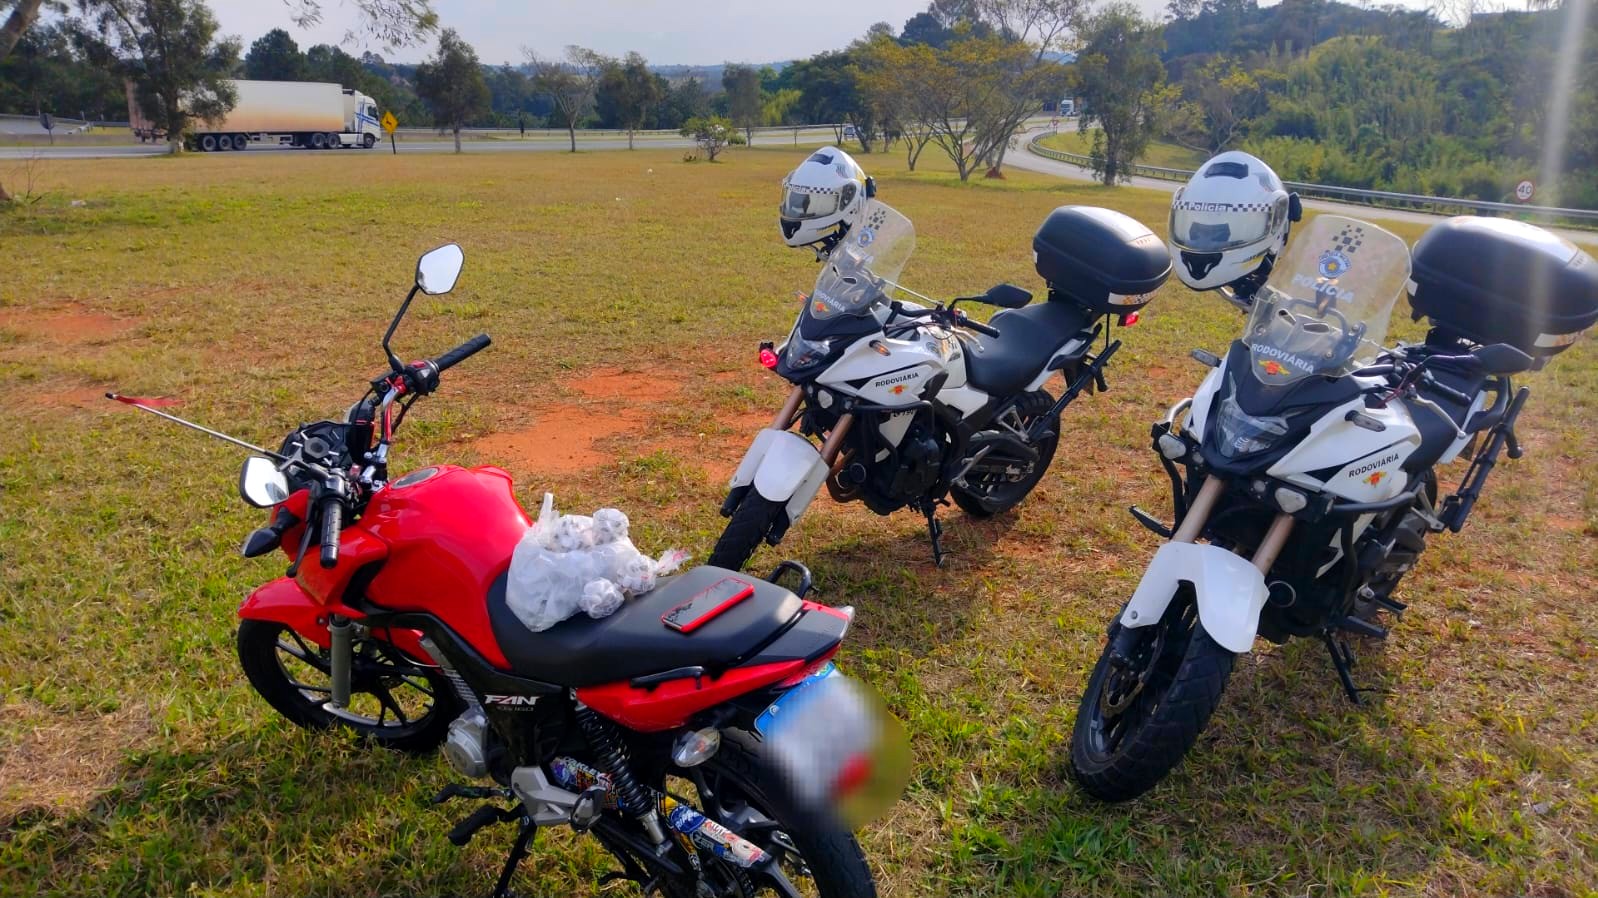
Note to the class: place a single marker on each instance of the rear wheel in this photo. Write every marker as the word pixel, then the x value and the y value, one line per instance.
pixel 402 704
pixel 994 492
pixel 208 143
pixel 744 790
pixel 240 141
pixel 1141 714
pixel 224 143
pixel 318 141
pixel 746 530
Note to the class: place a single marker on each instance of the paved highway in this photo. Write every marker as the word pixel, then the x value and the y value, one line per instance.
pixel 1024 159
pixel 809 137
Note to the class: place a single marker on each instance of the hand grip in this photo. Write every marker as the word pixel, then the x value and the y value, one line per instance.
pixel 462 352
pixel 978 326
pixel 1435 386
pixel 332 521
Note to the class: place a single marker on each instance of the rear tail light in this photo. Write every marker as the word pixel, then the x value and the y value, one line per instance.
pixel 768 355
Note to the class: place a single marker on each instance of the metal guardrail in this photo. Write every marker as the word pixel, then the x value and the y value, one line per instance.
pixel 1355 195
pixel 611 132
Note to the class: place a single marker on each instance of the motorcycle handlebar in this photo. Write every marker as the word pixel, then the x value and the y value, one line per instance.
pixel 332 514
pixel 462 352
pixel 1435 386
pixel 978 326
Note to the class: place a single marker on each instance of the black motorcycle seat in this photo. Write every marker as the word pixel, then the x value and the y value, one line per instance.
pixel 1435 434
pixel 582 651
pixel 1028 338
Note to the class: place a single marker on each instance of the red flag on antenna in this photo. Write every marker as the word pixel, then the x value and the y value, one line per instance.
pixel 145 401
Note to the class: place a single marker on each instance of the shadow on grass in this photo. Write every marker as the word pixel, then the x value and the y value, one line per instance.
pixel 1285 760
pixel 322 814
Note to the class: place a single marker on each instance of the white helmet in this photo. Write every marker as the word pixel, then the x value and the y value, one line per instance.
pixel 822 198
pixel 1229 222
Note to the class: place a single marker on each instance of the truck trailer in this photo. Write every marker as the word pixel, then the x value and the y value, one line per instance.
pixel 312 114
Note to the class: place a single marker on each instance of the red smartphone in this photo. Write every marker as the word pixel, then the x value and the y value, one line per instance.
pixel 707 603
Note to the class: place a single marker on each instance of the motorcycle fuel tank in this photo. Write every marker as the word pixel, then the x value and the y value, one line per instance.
pixel 450 532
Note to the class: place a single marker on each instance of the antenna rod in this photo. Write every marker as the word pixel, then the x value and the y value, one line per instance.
pixel 134 401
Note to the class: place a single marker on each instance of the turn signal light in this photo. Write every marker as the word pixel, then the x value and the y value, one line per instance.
pixel 1129 319
pixel 697 747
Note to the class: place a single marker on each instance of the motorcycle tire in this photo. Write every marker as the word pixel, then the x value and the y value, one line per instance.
pixel 380 671
pixel 985 501
pixel 747 529
pixel 1187 682
pixel 743 772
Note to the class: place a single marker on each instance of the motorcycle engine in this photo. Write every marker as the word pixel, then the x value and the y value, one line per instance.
pixel 913 471
pixel 466 746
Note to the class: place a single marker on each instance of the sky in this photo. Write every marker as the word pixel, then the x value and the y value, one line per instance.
pixel 667 32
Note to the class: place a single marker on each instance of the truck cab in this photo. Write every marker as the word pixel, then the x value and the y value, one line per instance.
pixel 360 118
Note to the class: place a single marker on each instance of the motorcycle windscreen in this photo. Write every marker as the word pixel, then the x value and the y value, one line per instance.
pixel 1325 309
pixel 863 267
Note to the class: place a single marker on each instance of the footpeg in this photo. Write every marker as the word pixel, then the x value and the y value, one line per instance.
pixel 487 815
pixel 1152 523
pixel 589 806
pixel 1360 627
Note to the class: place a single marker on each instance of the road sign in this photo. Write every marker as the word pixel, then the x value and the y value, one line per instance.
pixel 390 122
pixel 1525 190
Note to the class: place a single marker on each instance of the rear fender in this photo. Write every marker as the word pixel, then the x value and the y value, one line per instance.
pixel 282 601
pixel 1230 592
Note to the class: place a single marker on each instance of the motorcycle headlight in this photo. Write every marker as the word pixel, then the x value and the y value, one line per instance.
pixel 1240 433
pixel 799 353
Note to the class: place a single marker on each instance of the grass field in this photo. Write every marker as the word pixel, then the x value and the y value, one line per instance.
pixel 1158 153
pixel 626 293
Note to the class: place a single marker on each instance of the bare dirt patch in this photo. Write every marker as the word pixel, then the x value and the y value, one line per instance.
pixel 633 386
pixel 62 762
pixel 69 326
pixel 87 398
pixel 563 438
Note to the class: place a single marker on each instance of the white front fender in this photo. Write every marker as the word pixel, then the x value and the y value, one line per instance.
pixel 1230 592
pixel 784 467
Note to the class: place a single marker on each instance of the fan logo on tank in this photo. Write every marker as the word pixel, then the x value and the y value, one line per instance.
pixel 1371 467
pixel 1282 355
pixel 526 701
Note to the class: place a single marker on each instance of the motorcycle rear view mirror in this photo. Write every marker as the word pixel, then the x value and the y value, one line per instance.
pixel 1502 358
pixel 1006 296
pixel 261 484
pixel 436 271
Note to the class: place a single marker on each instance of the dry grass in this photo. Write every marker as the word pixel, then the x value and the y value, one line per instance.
pixel 256 288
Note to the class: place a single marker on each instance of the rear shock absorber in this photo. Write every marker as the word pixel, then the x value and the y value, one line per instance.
pixel 609 750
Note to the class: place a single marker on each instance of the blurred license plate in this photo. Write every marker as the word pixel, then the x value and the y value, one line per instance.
pixel 790 703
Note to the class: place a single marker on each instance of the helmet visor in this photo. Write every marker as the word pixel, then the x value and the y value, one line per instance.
pixel 1217 227
pixel 803 204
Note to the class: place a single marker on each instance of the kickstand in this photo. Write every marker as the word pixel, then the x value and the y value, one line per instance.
pixel 934 531
pixel 1343 660
pixel 518 852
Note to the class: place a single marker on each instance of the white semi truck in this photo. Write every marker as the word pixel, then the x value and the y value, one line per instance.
pixel 311 114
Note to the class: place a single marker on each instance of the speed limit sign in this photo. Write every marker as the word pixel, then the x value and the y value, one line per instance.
pixel 1525 190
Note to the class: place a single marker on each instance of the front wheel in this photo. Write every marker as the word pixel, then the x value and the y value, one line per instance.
pixel 401 704
pixel 743 789
pixel 369 141
pixel 751 523
pixel 1143 711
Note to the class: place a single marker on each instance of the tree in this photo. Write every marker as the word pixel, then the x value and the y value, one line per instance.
pixel 22 17
pixel 452 84
pixel 712 133
pixel 829 91
pixel 274 57
pixel 742 85
pixel 570 83
pixel 1120 75
pixel 394 23
pixel 628 93
pixel 169 51
pixel 683 101
pixel 1220 98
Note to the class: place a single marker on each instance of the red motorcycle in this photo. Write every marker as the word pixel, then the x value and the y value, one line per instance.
pixel 649 729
